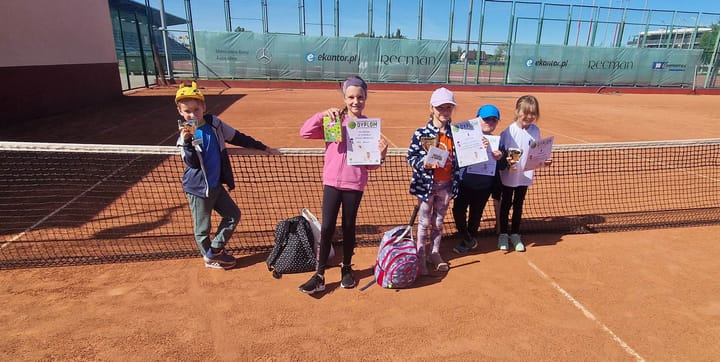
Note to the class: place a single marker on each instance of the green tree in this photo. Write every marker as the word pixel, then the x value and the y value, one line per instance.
pixel 500 52
pixel 707 43
pixel 240 29
pixel 398 35
pixel 455 55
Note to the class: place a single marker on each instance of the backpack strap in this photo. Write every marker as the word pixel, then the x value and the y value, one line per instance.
pixel 275 256
pixel 368 285
pixel 280 243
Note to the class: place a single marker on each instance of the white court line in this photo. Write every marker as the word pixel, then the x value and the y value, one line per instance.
pixel 35 225
pixel 587 313
pixel 545 131
pixel 391 144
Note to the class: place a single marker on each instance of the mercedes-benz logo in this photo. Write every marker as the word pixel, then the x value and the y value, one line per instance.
pixel 263 56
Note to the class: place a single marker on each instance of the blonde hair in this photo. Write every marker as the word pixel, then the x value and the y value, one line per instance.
pixel 527 104
pixel 432 113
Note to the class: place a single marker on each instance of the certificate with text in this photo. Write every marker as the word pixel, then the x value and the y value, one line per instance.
pixel 436 156
pixel 488 167
pixel 467 139
pixel 362 144
pixel 538 153
pixel 494 143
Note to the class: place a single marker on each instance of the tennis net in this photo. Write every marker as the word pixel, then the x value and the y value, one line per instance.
pixel 68 204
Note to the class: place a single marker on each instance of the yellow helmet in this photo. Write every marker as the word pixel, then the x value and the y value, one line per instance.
pixel 191 92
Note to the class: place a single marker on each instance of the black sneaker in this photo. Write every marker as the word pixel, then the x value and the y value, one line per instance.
pixel 315 284
pixel 219 260
pixel 470 241
pixel 348 280
pixel 461 248
pixel 468 244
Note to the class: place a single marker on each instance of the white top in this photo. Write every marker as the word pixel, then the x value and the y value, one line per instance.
pixel 516 137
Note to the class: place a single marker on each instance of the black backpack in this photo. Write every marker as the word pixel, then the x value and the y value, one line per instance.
pixel 293 251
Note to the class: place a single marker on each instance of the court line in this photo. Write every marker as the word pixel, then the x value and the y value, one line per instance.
pixel 32 227
pixel 587 313
pixel 390 143
pixel 545 131
pixel 41 221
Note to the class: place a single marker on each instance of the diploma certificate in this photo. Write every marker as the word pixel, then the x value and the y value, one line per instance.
pixel 363 138
pixel 467 139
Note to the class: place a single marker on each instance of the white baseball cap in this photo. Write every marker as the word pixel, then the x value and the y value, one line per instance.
pixel 442 96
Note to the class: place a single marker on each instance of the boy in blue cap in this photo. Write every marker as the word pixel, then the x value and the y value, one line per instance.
pixel 477 183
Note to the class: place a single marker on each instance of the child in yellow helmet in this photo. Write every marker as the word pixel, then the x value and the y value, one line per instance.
pixel 207 168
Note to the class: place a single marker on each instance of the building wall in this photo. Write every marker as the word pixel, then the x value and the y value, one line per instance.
pixel 678 38
pixel 57 56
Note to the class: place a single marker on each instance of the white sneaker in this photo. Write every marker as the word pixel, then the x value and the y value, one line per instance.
pixel 515 240
pixel 503 242
pixel 440 264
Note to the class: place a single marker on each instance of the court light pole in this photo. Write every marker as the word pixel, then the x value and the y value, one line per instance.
pixel 228 19
pixel 163 31
pixel 712 71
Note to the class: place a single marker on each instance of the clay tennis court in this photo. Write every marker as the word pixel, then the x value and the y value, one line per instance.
pixel 648 294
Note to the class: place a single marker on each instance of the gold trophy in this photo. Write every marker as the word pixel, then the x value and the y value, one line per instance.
pixel 514 154
pixel 428 142
pixel 190 125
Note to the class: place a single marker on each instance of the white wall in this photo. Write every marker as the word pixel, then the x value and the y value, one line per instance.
pixel 55 32
pixel 46 43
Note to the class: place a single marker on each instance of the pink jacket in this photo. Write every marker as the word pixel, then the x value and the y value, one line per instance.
pixel 336 172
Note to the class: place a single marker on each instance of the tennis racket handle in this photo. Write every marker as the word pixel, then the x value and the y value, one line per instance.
pixel 414 213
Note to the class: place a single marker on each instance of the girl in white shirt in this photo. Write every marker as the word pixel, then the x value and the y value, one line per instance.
pixel 515 142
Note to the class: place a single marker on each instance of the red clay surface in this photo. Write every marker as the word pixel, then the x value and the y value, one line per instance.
pixel 609 296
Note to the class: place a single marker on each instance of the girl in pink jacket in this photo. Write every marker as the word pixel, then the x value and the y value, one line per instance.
pixel 343 184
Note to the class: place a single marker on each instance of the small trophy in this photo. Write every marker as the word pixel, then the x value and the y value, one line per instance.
pixel 428 142
pixel 190 125
pixel 514 154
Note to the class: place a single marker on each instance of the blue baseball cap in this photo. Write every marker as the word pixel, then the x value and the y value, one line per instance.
pixel 488 111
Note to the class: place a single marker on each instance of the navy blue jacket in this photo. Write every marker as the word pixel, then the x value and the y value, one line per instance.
pixel 194 179
pixel 422 179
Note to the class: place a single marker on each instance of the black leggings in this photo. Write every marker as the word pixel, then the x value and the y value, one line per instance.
pixel 332 199
pixel 476 201
pixel 515 197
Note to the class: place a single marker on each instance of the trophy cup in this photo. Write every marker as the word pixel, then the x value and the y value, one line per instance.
pixel 190 126
pixel 514 154
pixel 428 142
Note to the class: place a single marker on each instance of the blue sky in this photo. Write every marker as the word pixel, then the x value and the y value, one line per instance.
pixel 283 17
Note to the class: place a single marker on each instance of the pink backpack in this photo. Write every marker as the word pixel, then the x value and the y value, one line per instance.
pixel 397 265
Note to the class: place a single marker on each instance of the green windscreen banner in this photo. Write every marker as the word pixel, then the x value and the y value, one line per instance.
pixel 557 64
pixel 248 55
